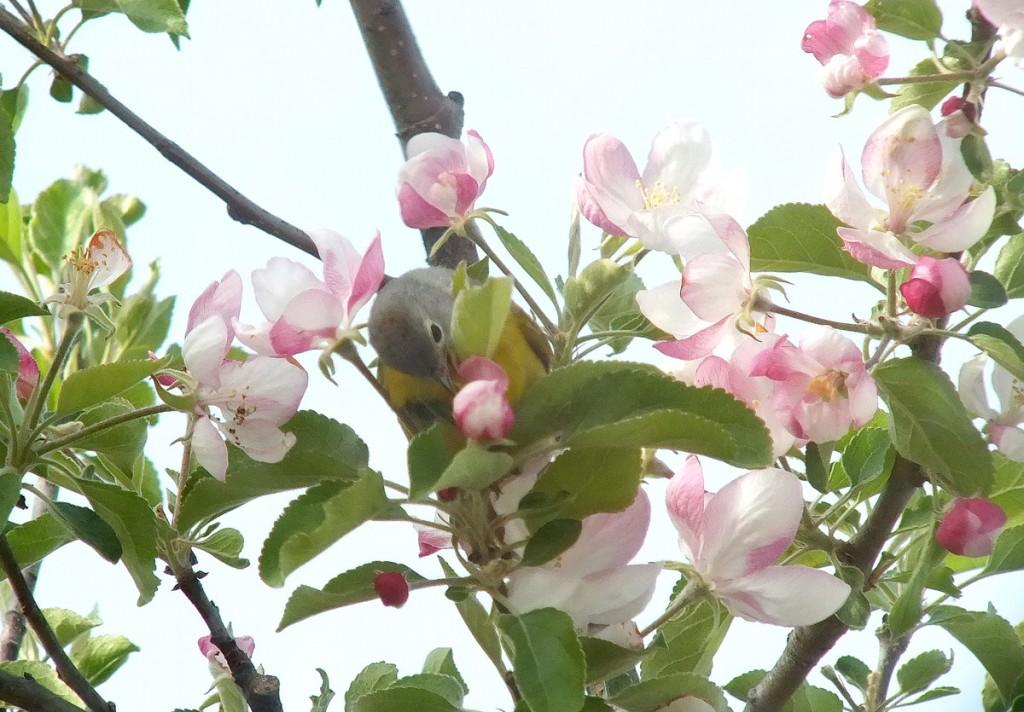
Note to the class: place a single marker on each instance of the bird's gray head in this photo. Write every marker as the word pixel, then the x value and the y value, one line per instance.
pixel 410 322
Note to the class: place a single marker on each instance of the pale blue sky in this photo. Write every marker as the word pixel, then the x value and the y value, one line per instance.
pixel 280 98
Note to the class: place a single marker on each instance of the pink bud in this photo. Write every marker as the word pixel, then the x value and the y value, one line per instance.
pixel 28 369
pixel 851 50
pixel 164 380
pixel 448 494
pixel 936 287
pixel 392 588
pixel 970 527
pixel 960 117
pixel 481 407
pixel 442 179
pixel 212 653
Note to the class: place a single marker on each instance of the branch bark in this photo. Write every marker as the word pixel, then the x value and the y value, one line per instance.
pixel 262 692
pixel 239 207
pixel 66 669
pixel 414 100
pixel 27 694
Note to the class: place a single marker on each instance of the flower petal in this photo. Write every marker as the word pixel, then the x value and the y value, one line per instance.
pixel 417 212
pixel 223 298
pixel 609 167
pixel 845 198
pixel 878 249
pixel 785 595
pixel 609 540
pixel 311 317
pixel 616 596
pixel 964 227
pixel 204 349
pixel 679 154
pixel 714 286
pixel 260 388
pixel 684 498
pixel 209 448
pixel 698 345
pixel 278 283
pixel 663 307
pixel 367 279
pixel 261 440
pixel 340 258
pixel 110 257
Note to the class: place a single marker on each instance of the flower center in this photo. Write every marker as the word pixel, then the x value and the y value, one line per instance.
pixel 657 195
pixel 829 385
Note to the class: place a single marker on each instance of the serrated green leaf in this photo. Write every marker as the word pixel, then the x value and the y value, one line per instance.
pixel 915 19
pixel 475 467
pixel 930 426
pixel 868 456
pixel 316 520
pixel 122 443
pixel 806 698
pixel 15 306
pixel 934 694
pixel 547 659
pixel 7 154
pixel 322 701
pixel 9 357
pixel 36 539
pixel 657 693
pixel 798 237
pixel 991 639
pixel 42 674
pixel 10 491
pixel 551 540
pixel 100 656
pixel 226 545
pixel 922 670
pixel 977 157
pixel 61 219
pixel 375 676
pixel 444 686
pixel 441 661
pixel 68 625
pixel 688 642
pixel 92 385
pixel 522 254
pixel 585 293
pixel 855 671
pixel 987 292
pixel 89 528
pixel 156 15
pixel 478 622
pixel 1000 344
pixel 1007 553
pixel 430 453
pixel 606 659
pixel 592 480
pixel 1010 266
pixel 11 228
pixel 403 699
pixel 478 317
pixel 905 613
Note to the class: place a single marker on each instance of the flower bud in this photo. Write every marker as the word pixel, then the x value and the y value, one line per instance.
pixel 442 179
pixel 936 287
pixel 481 407
pixel 392 588
pixel 960 117
pixel 970 527
pixel 216 657
pixel 28 369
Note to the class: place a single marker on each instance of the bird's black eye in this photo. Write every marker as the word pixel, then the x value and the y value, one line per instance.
pixel 436 332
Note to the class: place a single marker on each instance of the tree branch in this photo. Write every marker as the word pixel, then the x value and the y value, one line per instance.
pixel 262 692
pixel 413 97
pixel 239 207
pixel 47 638
pixel 28 694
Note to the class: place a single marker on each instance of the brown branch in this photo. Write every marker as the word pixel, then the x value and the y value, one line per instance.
pixel 28 694
pixel 239 207
pixel 889 652
pixel 413 97
pixel 66 669
pixel 262 692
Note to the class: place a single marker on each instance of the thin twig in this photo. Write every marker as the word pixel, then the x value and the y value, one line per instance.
pixel 1005 87
pixel 870 329
pixel 889 651
pixel 27 694
pixel 66 669
pixel 104 425
pixel 239 207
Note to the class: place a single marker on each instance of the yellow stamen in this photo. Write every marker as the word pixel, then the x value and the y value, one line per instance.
pixel 829 385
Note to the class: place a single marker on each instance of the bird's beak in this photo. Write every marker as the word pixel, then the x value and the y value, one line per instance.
pixel 444 375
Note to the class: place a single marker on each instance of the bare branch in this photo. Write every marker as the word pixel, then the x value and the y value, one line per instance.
pixel 27 694
pixel 239 207
pixel 413 97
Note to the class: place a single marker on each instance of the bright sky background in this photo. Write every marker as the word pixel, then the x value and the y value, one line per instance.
pixel 281 100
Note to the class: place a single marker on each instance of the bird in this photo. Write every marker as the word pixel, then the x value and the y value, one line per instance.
pixel 410 330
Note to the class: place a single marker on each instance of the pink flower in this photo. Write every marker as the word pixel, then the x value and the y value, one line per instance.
pixel 733 537
pixel 970 527
pixel 442 179
pixel 101 262
pixel 392 588
pixel 212 653
pixel 255 397
pixel 592 581
pixel 1004 424
pixel 1008 17
pixel 28 369
pixel 304 312
pixel 717 298
pixel 919 172
pixel 936 287
pixel 852 52
pixel 823 384
pixel 481 407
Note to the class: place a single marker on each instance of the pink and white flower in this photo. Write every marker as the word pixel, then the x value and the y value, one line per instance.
pixel 481 407
pixel 218 664
pixel 717 299
pixel 936 288
pixel 1005 424
pixel 101 262
pixel 852 52
pixel 734 536
pixel 1008 17
pixel 442 178
pixel 970 527
pixel 823 384
pixel 28 369
pixel 592 581
pixel 918 171
pixel 305 312
pixel 255 397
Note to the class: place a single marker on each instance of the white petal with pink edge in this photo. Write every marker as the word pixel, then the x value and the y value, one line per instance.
pixel 785 595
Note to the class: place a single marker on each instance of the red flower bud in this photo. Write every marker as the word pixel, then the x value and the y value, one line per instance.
pixel 936 287
pixel 392 588
pixel 970 527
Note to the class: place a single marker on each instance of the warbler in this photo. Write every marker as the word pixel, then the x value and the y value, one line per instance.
pixel 410 329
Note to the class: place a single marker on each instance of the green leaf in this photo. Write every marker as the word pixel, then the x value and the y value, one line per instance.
pixel 317 519
pixel 353 586
pixel 11 227
pixel 573 406
pixel 620 312
pixel 226 545
pixel 606 659
pixel 906 611
pixel 1008 487
pixel 688 642
pixel 375 676
pixel 156 15
pixel 1008 552
pixel 930 426
pixel 993 642
pixel 8 356
pixel 474 467
pixel 15 306
pixel 585 293
pixel 68 625
pixel 657 693
pixel 798 237
pixel 135 525
pixel 61 219
pixel 921 671
pixel 855 671
pixel 430 452
pixel 547 659
pixel 100 656
pixel 915 19
pixel 324 450
pixel 1000 344
pixel 229 695
pixel 122 443
pixel 527 260
pixel 806 698
pixel 7 153
pixel 478 317
pixel 868 456
pixel 977 157
pixel 444 686
pixel 322 701
pixel 10 492
pixel 93 385
pixel 478 622
pixel 36 539
pixel 1009 266
pixel 441 661
pixel 42 674
pixel 87 526
pixel 403 699
pixel 934 694
pixel 987 292
pixel 592 480
pixel 551 540
pixel 817 465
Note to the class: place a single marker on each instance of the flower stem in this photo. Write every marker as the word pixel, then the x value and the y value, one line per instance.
pixel 870 329
pixel 694 590
pixel 186 466
pixel 104 425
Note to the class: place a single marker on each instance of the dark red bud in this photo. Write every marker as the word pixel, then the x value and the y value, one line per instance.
pixel 448 494
pixel 392 588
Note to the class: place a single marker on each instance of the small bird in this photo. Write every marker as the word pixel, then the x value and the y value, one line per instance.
pixel 410 329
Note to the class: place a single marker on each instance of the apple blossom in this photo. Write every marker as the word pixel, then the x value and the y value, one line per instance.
pixel 970 527
pixel 481 407
pixel 392 588
pixel 936 287
pixel 717 298
pixel 102 261
pixel 255 396
pixel 960 116
pixel 1004 425
pixel 852 52
pixel 592 580
pixel 919 171
pixel 28 369
pixel 218 664
pixel 442 178
pixel 1008 17
pixel 823 384
pixel 304 312
pixel 732 538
